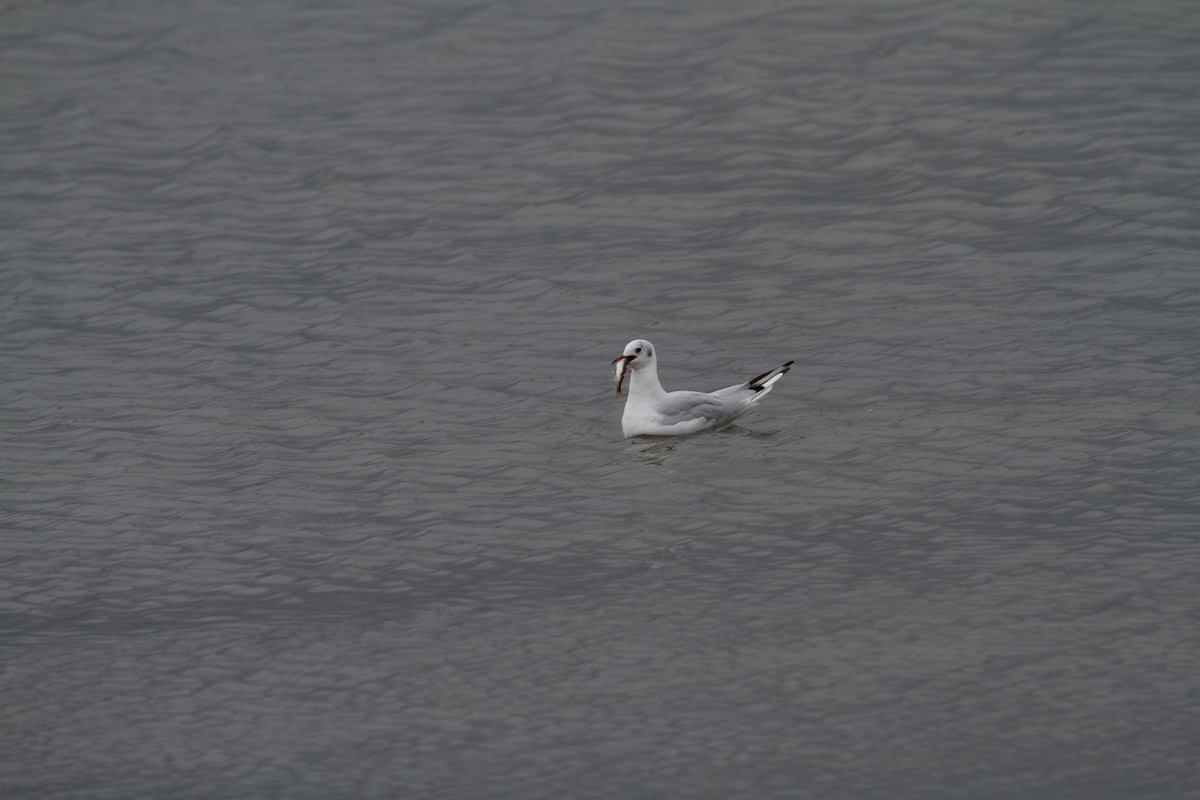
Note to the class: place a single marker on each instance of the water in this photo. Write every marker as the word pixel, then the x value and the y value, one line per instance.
pixel 314 485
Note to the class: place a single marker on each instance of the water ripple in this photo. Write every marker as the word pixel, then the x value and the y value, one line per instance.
pixel 309 434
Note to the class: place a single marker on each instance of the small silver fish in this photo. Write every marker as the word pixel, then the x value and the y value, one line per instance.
pixel 619 374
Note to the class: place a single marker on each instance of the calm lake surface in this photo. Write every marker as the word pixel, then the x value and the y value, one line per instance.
pixel 313 483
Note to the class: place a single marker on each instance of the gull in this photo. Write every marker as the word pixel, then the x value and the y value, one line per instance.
pixel 653 411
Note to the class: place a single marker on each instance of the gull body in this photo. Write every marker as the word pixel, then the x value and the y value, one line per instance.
pixel 651 410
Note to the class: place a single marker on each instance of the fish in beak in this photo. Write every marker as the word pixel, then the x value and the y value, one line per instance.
pixel 622 364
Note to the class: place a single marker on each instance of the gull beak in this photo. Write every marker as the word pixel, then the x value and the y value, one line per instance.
pixel 622 362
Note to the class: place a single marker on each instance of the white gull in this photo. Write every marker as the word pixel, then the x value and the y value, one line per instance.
pixel 653 411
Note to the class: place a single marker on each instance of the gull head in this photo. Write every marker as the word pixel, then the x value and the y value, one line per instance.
pixel 636 355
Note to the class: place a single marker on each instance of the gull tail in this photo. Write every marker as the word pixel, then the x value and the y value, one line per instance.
pixel 767 379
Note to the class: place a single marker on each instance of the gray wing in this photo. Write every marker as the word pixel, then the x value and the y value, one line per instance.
pixel 688 412
pixel 691 406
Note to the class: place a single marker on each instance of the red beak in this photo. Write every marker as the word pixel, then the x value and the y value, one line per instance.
pixel 627 358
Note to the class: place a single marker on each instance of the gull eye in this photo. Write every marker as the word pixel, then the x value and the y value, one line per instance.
pixel 637 350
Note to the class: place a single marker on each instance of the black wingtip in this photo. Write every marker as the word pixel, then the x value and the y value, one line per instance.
pixel 756 383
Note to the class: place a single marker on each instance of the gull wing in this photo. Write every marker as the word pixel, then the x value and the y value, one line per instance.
pixel 684 407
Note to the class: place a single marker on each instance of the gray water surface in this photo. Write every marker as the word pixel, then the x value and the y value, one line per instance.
pixel 313 480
